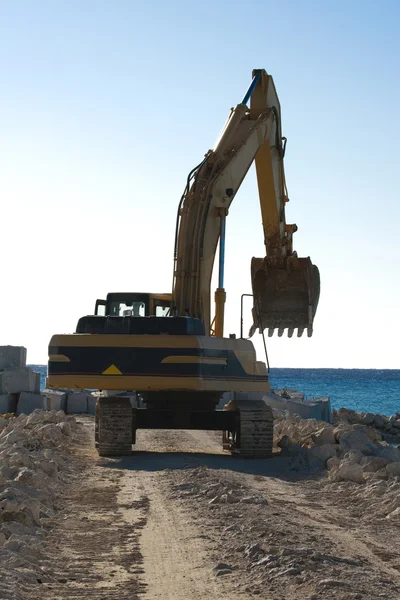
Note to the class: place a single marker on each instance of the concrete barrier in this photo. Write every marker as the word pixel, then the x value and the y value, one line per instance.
pixel 37 382
pixel 77 402
pixel 8 403
pixel 28 402
pixel 92 400
pixel 22 379
pixel 315 408
pixel 12 357
pixel 54 400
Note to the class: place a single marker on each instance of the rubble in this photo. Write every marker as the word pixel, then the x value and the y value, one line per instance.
pixel 33 461
pixel 360 455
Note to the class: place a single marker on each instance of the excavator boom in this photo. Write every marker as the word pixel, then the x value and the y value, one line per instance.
pixel 285 287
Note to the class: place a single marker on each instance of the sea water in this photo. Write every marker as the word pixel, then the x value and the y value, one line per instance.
pixel 367 390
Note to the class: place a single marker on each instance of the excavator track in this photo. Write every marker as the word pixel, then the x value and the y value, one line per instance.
pixel 254 438
pixel 114 426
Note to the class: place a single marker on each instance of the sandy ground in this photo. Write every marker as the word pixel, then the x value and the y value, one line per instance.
pixel 181 519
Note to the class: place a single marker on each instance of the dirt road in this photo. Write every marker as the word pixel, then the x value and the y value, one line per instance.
pixel 181 519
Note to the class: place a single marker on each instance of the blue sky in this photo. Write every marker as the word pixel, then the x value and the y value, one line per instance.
pixel 106 106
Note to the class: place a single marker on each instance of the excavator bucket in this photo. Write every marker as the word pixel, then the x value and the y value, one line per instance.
pixel 284 297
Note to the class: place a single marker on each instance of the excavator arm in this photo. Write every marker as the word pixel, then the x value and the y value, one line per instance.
pixel 285 287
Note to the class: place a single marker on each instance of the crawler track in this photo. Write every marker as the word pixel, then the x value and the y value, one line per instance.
pixel 114 434
pixel 256 429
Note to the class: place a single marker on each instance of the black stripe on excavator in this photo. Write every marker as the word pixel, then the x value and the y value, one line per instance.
pixel 147 362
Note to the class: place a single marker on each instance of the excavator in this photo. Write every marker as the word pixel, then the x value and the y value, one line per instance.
pixel 167 348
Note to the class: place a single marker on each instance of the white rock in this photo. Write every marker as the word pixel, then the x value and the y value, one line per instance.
pixel 49 467
pixel 11 438
pixel 65 428
pixel 37 416
pixel 21 458
pixel 372 464
pixel 379 475
pixel 353 457
pixel 51 417
pixel 72 422
pixel 324 436
pixel 52 433
pixel 393 469
pixel 388 452
pixel 341 429
pixel 394 514
pixel 380 421
pixel 323 453
pixel 356 440
pixel 373 434
pixel 30 477
pixel 348 472
pixel 368 418
pixel 333 463
pixel 285 442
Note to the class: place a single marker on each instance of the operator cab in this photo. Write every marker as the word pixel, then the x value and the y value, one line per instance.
pixel 136 313
pixel 120 304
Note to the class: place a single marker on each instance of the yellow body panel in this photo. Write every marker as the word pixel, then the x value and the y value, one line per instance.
pixel 117 382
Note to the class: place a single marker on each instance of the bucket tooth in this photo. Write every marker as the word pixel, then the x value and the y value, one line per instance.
pixel 281 331
pixel 290 331
pixel 270 331
pixel 300 331
pixel 309 331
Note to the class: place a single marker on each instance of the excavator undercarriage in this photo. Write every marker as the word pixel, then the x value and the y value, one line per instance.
pixel 246 426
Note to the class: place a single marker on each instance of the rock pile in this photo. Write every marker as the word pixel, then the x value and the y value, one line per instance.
pixel 388 427
pixel 33 462
pixel 353 449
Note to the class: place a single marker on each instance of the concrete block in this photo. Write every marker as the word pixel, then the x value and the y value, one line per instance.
pixel 54 400
pixel 13 381
pixel 37 382
pixel 315 408
pixel 8 403
pixel 92 400
pixel 77 402
pixel 28 402
pixel 12 357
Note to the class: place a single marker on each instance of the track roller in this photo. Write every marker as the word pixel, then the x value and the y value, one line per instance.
pixel 114 426
pixel 254 436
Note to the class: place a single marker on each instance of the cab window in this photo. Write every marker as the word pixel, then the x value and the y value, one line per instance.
pixel 133 309
pixel 162 311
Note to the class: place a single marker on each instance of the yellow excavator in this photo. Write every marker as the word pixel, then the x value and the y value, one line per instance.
pixel 166 347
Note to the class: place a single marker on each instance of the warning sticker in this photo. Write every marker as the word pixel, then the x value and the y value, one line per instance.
pixel 112 370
